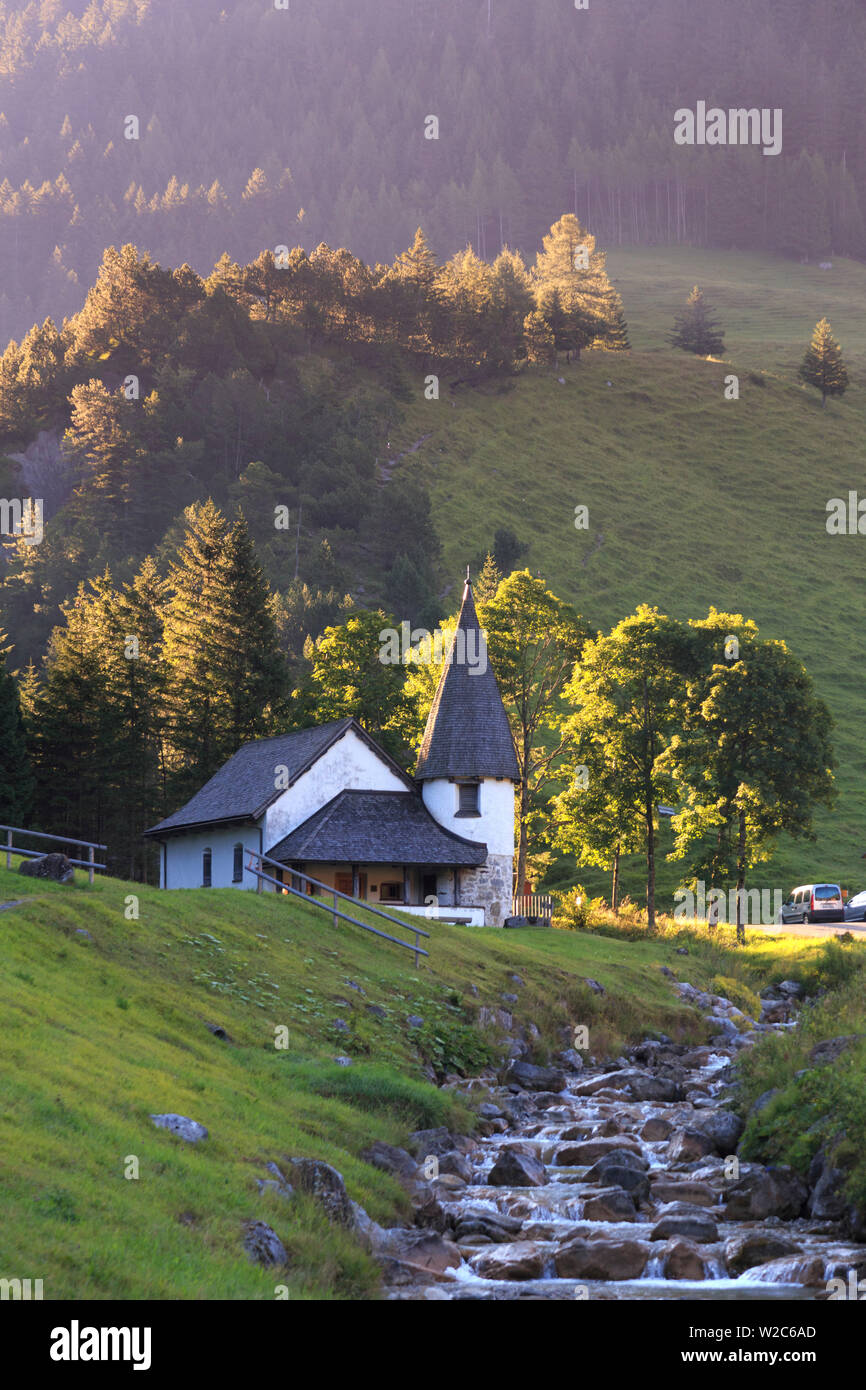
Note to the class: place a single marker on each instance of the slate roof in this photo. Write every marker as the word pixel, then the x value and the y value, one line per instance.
pixel 467 733
pixel 244 786
pixel 359 827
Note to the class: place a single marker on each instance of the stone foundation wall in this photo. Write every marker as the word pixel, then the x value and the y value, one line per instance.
pixel 490 887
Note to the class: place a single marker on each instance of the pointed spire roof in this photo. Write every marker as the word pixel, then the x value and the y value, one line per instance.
pixel 467 733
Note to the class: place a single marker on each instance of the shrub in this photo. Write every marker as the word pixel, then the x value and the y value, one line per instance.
pixel 575 909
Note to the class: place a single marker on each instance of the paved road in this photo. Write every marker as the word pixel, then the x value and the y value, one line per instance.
pixel 813 929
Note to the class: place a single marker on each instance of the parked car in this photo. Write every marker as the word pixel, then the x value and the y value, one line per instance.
pixel 855 908
pixel 814 902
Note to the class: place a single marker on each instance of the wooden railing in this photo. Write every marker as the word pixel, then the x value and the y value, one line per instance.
pixel 533 905
pixel 334 893
pixel 89 863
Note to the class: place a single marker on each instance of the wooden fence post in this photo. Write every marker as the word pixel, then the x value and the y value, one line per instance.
pixel 8 849
pixel 90 858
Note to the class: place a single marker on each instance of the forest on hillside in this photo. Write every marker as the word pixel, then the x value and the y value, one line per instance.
pixel 257 127
pixel 272 388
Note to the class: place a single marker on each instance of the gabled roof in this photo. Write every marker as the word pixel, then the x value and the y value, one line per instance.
pixel 359 827
pixel 467 733
pixel 244 787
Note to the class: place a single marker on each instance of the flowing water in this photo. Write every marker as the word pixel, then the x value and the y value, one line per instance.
pixel 557 1240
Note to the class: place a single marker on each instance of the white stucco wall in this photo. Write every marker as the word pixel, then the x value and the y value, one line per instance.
pixel 474 915
pixel 349 764
pixel 184 857
pixel 495 825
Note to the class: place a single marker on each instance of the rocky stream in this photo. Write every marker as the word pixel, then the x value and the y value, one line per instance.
pixel 617 1181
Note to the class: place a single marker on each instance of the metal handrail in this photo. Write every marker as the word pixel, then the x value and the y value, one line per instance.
pixel 344 917
pixel 37 854
pixel 89 863
pixel 308 878
pixel 64 839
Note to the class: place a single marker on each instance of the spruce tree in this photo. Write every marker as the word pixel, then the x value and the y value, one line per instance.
pixel 488 581
pixel 696 329
pixel 823 367
pixel 136 687
pixel 224 670
pixel 573 291
pixel 616 337
pixel 66 727
pixel 17 783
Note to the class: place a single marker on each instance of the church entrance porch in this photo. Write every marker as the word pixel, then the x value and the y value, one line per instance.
pixel 419 889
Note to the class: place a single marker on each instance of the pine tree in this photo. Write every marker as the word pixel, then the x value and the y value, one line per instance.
pixel 823 367
pixel 616 337
pixel 696 330
pixel 136 687
pixel 17 783
pixel 573 289
pixel 538 339
pixel 488 581
pixel 224 669
pixel 66 727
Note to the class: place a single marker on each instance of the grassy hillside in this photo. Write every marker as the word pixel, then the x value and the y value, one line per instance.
pixel 97 1032
pixel 103 1022
pixel 693 500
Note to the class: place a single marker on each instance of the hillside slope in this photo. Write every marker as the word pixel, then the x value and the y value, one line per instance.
pixel 103 1023
pixel 693 500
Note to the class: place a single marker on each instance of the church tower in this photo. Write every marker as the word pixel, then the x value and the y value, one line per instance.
pixel 467 766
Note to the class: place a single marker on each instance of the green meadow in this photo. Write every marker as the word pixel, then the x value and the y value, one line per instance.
pixel 100 1030
pixel 694 500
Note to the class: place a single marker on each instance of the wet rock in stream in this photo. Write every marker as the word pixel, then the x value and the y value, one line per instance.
pixel 614 1176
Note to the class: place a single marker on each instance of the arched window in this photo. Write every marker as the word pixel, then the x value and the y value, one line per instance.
pixel 205 868
pixel 238 866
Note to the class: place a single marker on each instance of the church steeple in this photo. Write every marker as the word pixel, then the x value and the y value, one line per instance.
pixel 467 733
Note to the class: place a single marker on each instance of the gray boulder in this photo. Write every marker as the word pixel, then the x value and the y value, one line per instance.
pixel 763 1192
pixel 756 1248
pixel 325 1185
pixel 694 1225
pixel 532 1078
pixel 722 1127
pixel 263 1245
pixel 570 1059
pixel 184 1128
pixel 609 1204
pixel 828 1051
pixel 764 1100
pixel 687 1145
pixel 826 1202
pixel 397 1162
pixel 601 1259
pixel 494 1226
pixel 438 1141
pixel 624 1170
pixel 54 866
pixel 515 1169
pixel 525 1259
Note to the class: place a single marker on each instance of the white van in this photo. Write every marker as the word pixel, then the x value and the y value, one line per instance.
pixel 814 902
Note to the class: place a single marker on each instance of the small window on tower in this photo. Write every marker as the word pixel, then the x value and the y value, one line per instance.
pixel 467 799
pixel 238 864
pixel 205 868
